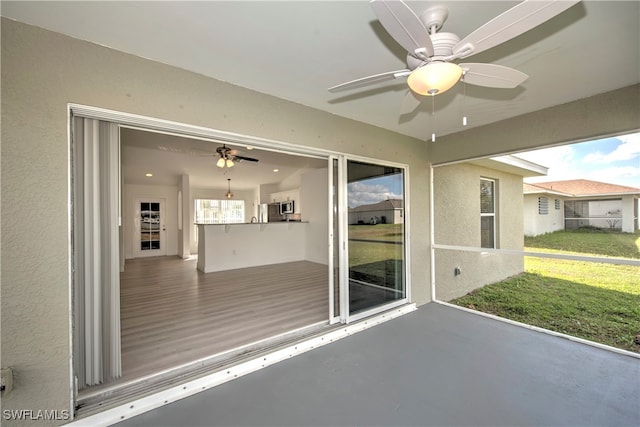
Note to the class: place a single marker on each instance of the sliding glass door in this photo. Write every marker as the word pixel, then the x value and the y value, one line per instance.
pixel 375 235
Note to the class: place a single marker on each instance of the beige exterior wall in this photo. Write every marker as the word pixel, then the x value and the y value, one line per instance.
pixel 41 73
pixel 456 191
pixel 535 223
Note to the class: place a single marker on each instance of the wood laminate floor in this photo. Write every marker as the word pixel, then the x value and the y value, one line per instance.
pixel 172 314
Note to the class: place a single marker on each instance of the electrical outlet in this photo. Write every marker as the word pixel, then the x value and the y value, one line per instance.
pixel 457 271
pixel 6 380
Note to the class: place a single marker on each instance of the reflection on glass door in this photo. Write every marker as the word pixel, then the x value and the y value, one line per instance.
pixel 376 235
pixel 150 228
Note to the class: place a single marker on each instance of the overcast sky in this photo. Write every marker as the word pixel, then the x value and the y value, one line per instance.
pixel 612 160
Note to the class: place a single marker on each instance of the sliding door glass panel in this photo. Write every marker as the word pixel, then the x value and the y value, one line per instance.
pixel 335 201
pixel 376 236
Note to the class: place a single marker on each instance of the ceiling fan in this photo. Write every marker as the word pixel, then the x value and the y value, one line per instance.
pixel 228 157
pixel 432 55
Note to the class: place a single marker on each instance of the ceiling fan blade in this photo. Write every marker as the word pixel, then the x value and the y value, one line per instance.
pixel 409 103
pixel 404 26
pixel 365 81
pixel 515 21
pixel 492 75
pixel 248 159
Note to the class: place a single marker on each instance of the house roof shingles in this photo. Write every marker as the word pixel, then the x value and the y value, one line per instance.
pixel 580 187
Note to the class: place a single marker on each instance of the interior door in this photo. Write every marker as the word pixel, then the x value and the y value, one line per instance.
pixel 150 228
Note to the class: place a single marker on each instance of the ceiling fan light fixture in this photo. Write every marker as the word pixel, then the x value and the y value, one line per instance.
pixel 230 163
pixel 434 78
pixel 220 163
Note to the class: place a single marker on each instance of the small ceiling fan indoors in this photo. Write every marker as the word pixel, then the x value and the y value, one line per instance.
pixel 432 55
pixel 228 157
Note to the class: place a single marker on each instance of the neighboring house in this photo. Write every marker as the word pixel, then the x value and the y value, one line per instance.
pixel 571 204
pixel 390 211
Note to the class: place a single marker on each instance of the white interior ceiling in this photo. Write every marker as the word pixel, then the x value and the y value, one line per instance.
pixel 297 49
pixel 168 157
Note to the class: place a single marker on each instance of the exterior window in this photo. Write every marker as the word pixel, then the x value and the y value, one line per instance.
pixel 210 211
pixel 487 214
pixel 557 202
pixel 543 205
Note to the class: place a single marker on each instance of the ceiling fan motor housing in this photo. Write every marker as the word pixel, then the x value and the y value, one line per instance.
pixel 443 44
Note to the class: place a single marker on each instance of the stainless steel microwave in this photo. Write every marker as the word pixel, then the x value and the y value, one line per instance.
pixel 287 207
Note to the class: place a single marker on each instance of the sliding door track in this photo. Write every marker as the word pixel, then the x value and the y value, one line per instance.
pixel 110 405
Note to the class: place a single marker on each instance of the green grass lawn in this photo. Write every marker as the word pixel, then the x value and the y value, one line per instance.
pixel 587 241
pixel 596 301
pixel 370 251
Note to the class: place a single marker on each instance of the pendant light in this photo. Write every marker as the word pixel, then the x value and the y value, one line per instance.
pixel 229 194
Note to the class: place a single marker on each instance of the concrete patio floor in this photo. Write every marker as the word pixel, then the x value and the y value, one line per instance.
pixel 436 366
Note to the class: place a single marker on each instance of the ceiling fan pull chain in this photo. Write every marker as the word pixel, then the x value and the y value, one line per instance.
pixel 433 118
pixel 464 99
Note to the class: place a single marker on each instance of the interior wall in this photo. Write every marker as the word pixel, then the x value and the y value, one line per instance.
pixel 314 202
pixel 184 249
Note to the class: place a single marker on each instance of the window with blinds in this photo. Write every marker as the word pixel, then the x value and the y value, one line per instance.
pixel 543 205
pixel 211 211
pixel 487 213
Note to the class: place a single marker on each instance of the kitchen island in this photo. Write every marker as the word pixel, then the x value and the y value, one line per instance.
pixel 229 246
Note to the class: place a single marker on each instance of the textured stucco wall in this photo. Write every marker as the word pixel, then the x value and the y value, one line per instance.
pixel 41 73
pixel 456 192
pixel 535 223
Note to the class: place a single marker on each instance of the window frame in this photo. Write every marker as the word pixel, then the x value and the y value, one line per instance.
pixel 222 219
pixel 489 214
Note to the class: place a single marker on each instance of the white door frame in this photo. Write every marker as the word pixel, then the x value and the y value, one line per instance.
pixel 345 316
pixel 139 253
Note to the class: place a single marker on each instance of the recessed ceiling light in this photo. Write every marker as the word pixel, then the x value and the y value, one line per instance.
pixel 249 147
pixel 276 170
pixel 148 174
